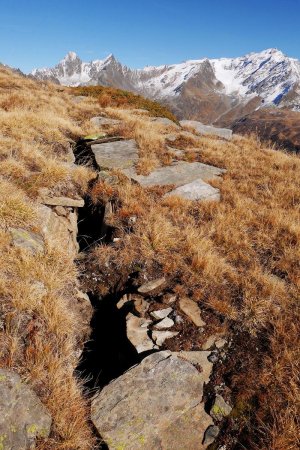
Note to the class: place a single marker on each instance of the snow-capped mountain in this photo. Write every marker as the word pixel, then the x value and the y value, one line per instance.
pixel 212 90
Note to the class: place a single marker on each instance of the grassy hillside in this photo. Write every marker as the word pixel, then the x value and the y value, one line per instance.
pixel 239 258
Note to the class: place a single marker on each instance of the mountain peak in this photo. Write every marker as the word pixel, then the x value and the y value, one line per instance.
pixel 70 56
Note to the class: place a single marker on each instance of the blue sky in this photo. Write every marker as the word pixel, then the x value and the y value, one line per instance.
pixel 38 33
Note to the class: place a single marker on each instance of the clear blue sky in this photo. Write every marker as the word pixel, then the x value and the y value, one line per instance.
pixel 38 33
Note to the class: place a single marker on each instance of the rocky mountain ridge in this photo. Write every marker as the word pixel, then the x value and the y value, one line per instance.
pixel 211 90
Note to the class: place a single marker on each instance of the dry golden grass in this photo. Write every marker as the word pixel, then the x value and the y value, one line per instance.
pixel 238 258
pixel 39 328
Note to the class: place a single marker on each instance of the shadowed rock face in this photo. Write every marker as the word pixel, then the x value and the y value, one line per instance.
pixel 281 126
pixel 155 405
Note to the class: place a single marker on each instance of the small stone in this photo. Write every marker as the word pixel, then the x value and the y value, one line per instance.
pixel 165 323
pixel 220 343
pixel 178 319
pixel 196 190
pixel 168 299
pixel 30 241
pixel 161 313
pixel 220 408
pixel 151 286
pixel 210 434
pixel 210 342
pixel 137 333
pixel 122 301
pixel 160 336
pixel 61 211
pixel 191 309
pixel 213 357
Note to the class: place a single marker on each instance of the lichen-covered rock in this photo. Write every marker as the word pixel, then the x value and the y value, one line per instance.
pixel 23 417
pixel 154 406
pixel 220 408
pixel 28 240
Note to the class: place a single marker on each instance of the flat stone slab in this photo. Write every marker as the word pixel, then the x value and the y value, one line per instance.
pixel 207 129
pixel 178 174
pixel 155 405
pixel 104 121
pixel 23 417
pixel 197 190
pixel 137 333
pixel 116 155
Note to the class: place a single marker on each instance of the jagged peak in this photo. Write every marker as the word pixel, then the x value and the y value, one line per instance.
pixel 70 56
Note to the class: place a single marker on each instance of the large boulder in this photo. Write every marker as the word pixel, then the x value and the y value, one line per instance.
pixel 156 405
pixel 23 417
pixel 207 129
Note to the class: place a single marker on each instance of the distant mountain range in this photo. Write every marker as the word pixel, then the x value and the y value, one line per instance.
pixel 217 91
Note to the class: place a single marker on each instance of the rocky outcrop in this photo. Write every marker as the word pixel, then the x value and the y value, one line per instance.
pixel 23 417
pixel 200 128
pixel 155 405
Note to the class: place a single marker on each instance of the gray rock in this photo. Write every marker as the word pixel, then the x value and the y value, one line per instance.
pixel 198 359
pixel 23 417
pixel 61 201
pixel 116 155
pixel 28 240
pixel 210 434
pixel 165 323
pixel 191 309
pixel 207 129
pixel 155 405
pixel 137 333
pixel 220 408
pixel 178 174
pixel 220 343
pixel 165 121
pixel 104 121
pixel 151 286
pixel 159 337
pixel 197 190
pixel 161 313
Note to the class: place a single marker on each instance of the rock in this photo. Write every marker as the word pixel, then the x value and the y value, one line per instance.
pixel 151 286
pixel 23 417
pixel 176 152
pixel 165 121
pixel 59 230
pixel 177 174
pixel 104 121
pixel 207 129
pixel 140 305
pixel 79 98
pixel 197 190
pixel 220 343
pixel 137 333
pixel 161 313
pixel 62 201
pixel 85 311
pixel 172 137
pixel 198 359
pixel 125 299
pixel 220 408
pixel 159 337
pixel 154 405
pixel 116 155
pixel 61 211
pixel 210 434
pixel 191 309
pixel 169 299
pixel 214 340
pixel 165 323
pixel 28 240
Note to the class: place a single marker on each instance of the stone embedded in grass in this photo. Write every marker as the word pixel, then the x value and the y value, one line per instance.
pixel 116 155
pixel 159 337
pixel 192 310
pixel 165 323
pixel 155 405
pixel 161 313
pixel 197 190
pixel 165 121
pixel 30 241
pixel 207 129
pixel 23 417
pixel 104 121
pixel 220 408
pixel 177 174
pixel 151 286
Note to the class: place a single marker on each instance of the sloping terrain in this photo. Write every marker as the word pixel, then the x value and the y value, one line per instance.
pixel 236 260
pixel 282 127
pixel 210 90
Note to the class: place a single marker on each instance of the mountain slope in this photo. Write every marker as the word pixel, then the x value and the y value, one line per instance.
pixel 212 90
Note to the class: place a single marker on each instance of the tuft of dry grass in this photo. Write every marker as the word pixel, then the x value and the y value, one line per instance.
pixel 40 329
